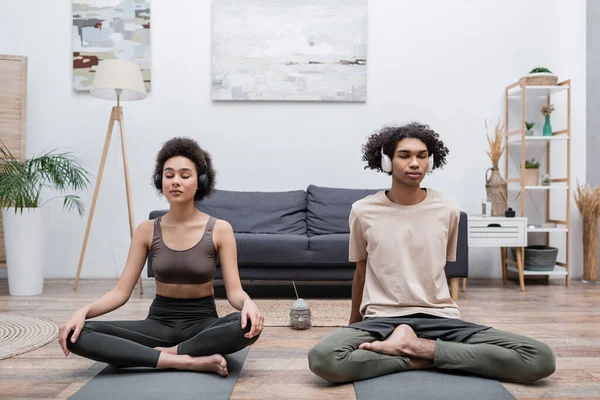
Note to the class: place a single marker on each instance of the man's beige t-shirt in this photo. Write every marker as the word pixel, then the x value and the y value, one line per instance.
pixel 406 248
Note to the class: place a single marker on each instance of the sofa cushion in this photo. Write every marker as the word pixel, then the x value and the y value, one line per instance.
pixel 330 249
pixel 263 249
pixel 259 212
pixel 328 209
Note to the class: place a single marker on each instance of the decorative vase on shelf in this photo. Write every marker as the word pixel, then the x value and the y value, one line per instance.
pixel 497 191
pixel 547 127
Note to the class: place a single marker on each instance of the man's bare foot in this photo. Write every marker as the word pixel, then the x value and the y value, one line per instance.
pixel 170 350
pixel 215 363
pixel 397 344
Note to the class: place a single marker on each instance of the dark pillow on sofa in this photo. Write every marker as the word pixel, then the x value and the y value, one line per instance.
pixel 328 209
pixel 259 212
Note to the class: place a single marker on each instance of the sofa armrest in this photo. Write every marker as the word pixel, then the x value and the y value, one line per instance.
pixel 460 267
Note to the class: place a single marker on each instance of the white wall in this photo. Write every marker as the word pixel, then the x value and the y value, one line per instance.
pixel 570 62
pixel 441 62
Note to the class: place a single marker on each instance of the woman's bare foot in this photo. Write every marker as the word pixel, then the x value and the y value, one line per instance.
pixel 215 363
pixel 170 350
pixel 396 344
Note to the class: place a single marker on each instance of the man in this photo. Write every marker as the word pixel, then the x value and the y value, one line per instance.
pixel 402 314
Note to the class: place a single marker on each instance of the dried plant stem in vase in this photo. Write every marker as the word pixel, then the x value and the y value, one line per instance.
pixel 588 203
pixel 546 111
pixel 496 187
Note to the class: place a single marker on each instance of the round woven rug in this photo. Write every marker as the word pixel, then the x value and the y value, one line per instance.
pixel 20 334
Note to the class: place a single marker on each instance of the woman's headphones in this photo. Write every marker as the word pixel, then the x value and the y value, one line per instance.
pixel 203 180
pixel 386 162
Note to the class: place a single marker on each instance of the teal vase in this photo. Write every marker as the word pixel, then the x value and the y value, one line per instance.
pixel 547 127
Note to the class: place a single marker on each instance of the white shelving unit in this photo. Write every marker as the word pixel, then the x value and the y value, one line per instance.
pixel 558 271
pixel 515 139
pixel 535 140
pixel 547 230
pixel 551 187
pixel 516 89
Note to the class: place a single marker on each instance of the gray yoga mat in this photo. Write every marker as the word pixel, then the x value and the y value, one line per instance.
pixel 430 385
pixel 161 384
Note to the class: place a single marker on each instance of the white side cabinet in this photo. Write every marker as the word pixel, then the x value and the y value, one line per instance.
pixel 497 232
pixel 501 232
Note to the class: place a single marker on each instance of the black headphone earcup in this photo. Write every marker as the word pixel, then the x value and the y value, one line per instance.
pixel 202 182
pixel 158 181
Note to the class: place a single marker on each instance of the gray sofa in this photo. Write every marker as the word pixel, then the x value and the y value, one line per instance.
pixel 297 235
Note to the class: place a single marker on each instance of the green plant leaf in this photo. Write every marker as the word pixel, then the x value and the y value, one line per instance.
pixel 22 181
pixel 539 70
pixel 71 202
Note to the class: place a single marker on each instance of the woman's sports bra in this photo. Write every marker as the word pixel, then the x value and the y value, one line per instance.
pixel 191 266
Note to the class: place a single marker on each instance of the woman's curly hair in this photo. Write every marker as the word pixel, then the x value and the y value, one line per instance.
pixel 389 136
pixel 190 149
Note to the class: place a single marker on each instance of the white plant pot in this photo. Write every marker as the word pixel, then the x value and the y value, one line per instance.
pixel 25 238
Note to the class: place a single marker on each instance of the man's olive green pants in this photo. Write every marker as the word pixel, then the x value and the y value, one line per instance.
pixel 489 353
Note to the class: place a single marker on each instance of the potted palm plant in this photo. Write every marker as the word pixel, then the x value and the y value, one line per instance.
pixel 23 216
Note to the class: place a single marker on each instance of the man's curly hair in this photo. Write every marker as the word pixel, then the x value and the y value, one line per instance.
pixel 389 136
pixel 190 149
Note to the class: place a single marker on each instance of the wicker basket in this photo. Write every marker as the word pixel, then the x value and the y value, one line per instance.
pixel 539 79
pixel 538 258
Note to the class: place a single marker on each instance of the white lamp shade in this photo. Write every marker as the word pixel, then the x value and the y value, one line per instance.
pixel 115 74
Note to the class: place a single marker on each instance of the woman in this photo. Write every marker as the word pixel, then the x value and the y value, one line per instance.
pixel 182 329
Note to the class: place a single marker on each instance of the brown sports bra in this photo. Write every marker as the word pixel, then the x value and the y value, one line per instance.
pixel 191 266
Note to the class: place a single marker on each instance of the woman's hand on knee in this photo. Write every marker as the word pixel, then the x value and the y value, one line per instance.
pixel 74 324
pixel 250 312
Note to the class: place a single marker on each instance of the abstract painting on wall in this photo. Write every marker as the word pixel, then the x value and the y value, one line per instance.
pixel 290 50
pixel 105 29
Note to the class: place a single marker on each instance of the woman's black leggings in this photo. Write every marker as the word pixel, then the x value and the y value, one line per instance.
pixel 193 324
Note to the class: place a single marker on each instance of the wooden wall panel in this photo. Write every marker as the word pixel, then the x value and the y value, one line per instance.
pixel 13 114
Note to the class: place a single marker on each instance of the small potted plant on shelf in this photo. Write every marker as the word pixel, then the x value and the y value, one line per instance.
pixel 529 126
pixel 546 111
pixel 546 180
pixel 539 77
pixel 532 172
pixel 24 217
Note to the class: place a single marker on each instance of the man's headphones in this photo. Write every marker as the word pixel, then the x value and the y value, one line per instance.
pixel 203 180
pixel 386 162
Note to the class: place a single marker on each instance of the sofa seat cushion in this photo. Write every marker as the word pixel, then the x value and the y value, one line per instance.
pixel 262 249
pixel 259 212
pixel 330 250
pixel 328 209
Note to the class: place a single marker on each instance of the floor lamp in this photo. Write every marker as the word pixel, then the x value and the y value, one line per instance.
pixel 118 80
